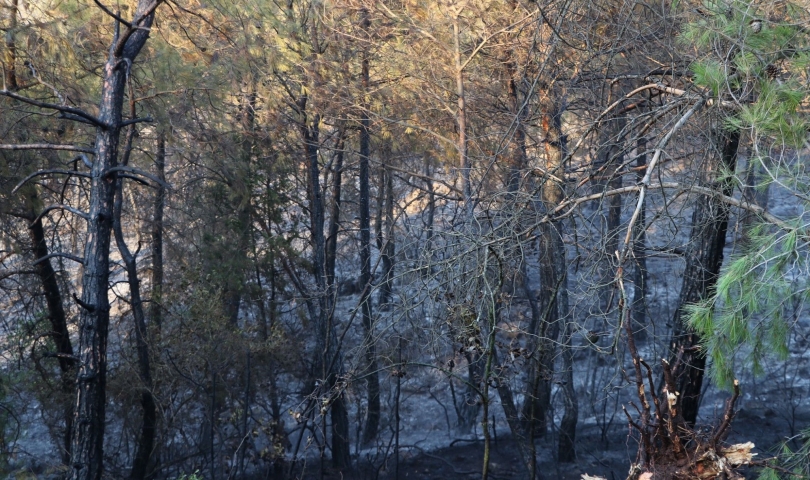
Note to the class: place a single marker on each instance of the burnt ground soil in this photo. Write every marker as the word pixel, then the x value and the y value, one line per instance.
pixel 610 459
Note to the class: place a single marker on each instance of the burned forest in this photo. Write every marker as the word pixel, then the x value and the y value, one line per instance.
pixel 390 239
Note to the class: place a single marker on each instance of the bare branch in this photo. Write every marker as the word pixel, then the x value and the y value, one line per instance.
pixel 68 208
pixel 70 113
pixel 659 149
pixel 112 14
pixel 48 172
pixel 136 120
pixel 84 160
pixel 419 175
pixel 86 306
pixel 75 118
pixel 11 273
pixel 47 146
pixel 60 254
pixel 135 179
pixel 135 171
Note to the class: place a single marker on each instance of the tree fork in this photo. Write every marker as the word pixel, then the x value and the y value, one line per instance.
pixel 88 434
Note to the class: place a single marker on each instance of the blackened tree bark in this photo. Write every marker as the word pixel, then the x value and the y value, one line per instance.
pixel 10 54
pixel 146 436
pixel 87 460
pixel 609 157
pixel 431 216
pixel 329 362
pixel 516 163
pixel 58 321
pixel 704 257
pixel 42 262
pixel 639 307
pixel 156 240
pixel 553 195
pixel 372 378
pixel 553 298
pixel 334 217
pixel 387 251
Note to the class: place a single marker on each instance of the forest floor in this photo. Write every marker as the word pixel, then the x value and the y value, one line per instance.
pixel 611 460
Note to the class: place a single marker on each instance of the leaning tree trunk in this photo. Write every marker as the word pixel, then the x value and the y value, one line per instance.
pixel 146 436
pixel 42 263
pixel 91 399
pixel 58 321
pixel 704 257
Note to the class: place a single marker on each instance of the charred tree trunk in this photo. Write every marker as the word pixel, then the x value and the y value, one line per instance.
pixel 372 378
pixel 156 240
pixel 328 360
pixel 43 267
pixel 88 434
pixel 517 154
pixel 606 177
pixel 334 216
pixel 389 245
pixel 58 321
pixel 566 451
pixel 553 298
pixel 704 257
pixel 146 436
pixel 461 121
pixel 639 307
pixel 431 215
pixel 10 55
